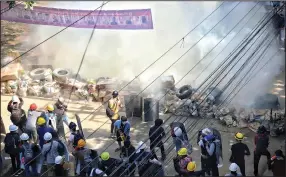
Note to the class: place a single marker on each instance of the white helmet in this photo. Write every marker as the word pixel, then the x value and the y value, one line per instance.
pixel 61 99
pixel 24 137
pixel 15 99
pixel 141 145
pixel 48 136
pixel 178 131
pixel 233 167
pixel 13 128
pixel 58 160
pixel 206 131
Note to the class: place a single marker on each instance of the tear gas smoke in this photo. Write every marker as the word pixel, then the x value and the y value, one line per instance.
pixel 125 53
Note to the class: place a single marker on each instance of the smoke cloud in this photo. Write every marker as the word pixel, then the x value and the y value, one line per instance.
pixel 125 53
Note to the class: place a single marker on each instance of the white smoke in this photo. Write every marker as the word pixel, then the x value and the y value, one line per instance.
pixel 125 53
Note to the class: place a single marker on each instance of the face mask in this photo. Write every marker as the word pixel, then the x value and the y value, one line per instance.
pixel 124 122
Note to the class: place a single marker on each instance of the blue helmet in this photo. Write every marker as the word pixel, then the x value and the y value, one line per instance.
pixel 209 137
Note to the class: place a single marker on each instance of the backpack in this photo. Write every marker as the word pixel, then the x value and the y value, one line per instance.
pixel 262 142
pixel 16 115
pixel 77 137
pixel 109 112
pixel 61 148
pixel 28 153
pixel 10 144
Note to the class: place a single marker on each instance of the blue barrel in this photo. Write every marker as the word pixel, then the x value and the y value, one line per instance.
pixel 151 109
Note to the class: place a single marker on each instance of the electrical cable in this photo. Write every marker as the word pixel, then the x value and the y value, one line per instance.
pixel 79 66
pixel 218 83
pixel 181 56
pixel 84 53
pixel 6 9
pixel 150 66
pixel 54 35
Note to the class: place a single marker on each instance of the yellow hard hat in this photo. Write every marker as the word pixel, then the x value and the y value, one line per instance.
pixel 239 136
pixel 50 107
pixel 81 143
pixel 105 156
pixel 191 166
pixel 41 121
pixel 183 151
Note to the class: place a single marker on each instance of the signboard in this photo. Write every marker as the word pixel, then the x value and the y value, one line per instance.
pixel 107 19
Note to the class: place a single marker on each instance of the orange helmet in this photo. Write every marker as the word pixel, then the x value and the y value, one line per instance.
pixel 33 107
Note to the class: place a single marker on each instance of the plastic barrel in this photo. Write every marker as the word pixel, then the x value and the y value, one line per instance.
pixel 135 106
pixel 151 109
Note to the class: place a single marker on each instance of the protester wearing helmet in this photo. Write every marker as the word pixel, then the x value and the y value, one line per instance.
pixel 156 134
pixel 75 135
pixel 191 170
pixel 12 143
pixel 42 130
pixel 59 166
pixel 18 115
pixel 146 162
pixel 208 155
pixel 60 109
pixel 128 154
pixel 181 161
pixel 122 129
pixel 112 111
pixel 28 153
pixel 83 157
pixel 180 136
pixel 233 168
pixel 238 151
pixel 31 128
pixel 261 141
pixel 109 164
pixel 50 116
pixel 49 152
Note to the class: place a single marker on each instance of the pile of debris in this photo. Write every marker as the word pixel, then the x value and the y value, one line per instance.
pixel 189 102
pixel 46 82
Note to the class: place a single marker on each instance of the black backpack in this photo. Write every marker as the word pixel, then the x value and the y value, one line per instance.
pixel 262 142
pixel 16 115
pixel 77 137
pixel 109 112
pixel 10 144
pixel 61 148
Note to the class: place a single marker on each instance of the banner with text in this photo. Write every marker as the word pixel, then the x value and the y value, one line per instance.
pixel 107 19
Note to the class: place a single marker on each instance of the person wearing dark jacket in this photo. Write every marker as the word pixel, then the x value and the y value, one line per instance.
pixel 209 154
pixel 156 134
pixel 128 151
pixel 238 151
pixel 108 164
pixel 19 118
pixel 278 163
pixel 201 141
pixel 261 141
pixel 12 143
pixel 59 166
pixel 191 170
pixel 41 122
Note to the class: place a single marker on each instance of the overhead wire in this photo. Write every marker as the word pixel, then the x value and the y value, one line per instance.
pixel 54 35
pixel 92 33
pixel 186 119
pixel 182 56
pixel 150 66
pixel 6 9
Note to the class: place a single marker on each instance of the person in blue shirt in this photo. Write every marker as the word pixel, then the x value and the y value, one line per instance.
pixel 122 129
pixel 42 129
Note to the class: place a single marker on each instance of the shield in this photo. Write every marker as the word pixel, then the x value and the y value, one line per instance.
pixel 79 125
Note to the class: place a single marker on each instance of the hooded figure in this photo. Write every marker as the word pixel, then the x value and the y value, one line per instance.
pixel 261 141
pixel 156 134
pixel 278 163
pixel 233 168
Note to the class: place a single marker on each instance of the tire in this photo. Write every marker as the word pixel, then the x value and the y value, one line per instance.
pixel 185 92
pixel 38 74
pixel 61 74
